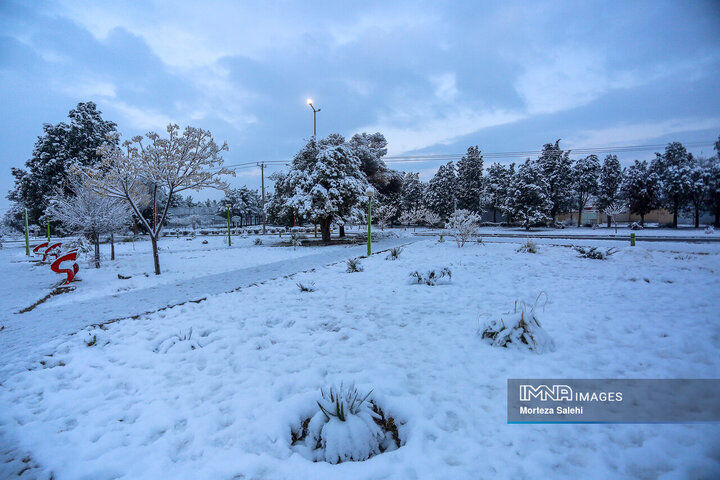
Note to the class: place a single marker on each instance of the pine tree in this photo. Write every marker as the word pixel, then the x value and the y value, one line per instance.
pixel 713 189
pixel 674 169
pixel 441 194
pixel 586 172
pixel 700 180
pixel 326 183
pixel 496 185
pixel 641 188
pixel 610 183
pixel 61 147
pixel 556 166
pixel 245 203
pixel 412 192
pixel 528 198
pixel 470 181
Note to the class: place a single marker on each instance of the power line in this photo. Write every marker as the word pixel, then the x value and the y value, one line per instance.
pixel 444 157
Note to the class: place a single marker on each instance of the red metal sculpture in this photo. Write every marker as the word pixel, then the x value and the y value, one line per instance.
pixel 70 272
pixel 54 250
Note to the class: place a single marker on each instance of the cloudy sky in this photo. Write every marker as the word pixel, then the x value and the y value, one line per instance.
pixel 434 77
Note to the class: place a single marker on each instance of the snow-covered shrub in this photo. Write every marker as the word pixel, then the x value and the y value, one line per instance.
pixel 181 342
pixel 710 230
pixel 462 224
pixel 518 329
pixel 636 226
pixel 595 253
pixel 297 237
pixel 345 428
pixel 528 247
pixel 257 241
pixel 84 247
pixel 432 277
pixel 306 288
pixel 394 253
pixel 353 265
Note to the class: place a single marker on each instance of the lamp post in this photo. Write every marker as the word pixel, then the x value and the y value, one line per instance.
pixel 228 210
pixel 369 194
pixel 310 102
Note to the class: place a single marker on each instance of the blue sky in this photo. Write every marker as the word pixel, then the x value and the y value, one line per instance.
pixel 434 77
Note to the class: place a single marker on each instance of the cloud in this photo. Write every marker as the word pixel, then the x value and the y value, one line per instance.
pixel 141 118
pixel 429 128
pixel 445 86
pixel 633 134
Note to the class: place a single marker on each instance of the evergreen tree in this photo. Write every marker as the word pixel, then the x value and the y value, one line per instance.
pixel 713 189
pixel 700 180
pixel 245 203
pixel 470 181
pixel 641 188
pixel 441 194
pixel 586 172
pixel 528 198
pixel 610 183
pixel 556 166
pixel 61 147
pixel 674 169
pixel 325 182
pixel 496 185
pixel 412 192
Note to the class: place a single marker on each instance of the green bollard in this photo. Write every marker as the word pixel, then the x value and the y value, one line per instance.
pixel 632 239
pixel 27 240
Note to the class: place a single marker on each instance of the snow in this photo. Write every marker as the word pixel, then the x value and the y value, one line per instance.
pixel 150 400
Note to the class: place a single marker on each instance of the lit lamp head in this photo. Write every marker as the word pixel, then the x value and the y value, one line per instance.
pixel 309 101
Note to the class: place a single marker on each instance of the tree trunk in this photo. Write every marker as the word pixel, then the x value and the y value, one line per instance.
pixel 325 229
pixel 494 215
pixel 717 217
pixel 697 217
pixel 580 210
pixel 96 240
pixel 342 230
pixel 156 257
pixel 642 220
pixel 676 207
pixel 608 219
pixel 112 246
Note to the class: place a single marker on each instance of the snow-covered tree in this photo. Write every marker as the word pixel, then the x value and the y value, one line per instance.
pixel 674 169
pixel 585 175
pixel 412 192
pixel 441 192
pixel 326 183
pixel 430 218
pixel 245 204
pixel 369 149
pixel 59 148
pixel 84 211
pixel 556 167
pixel 614 210
pixel 713 189
pixel 462 224
pixel 188 161
pixel 700 180
pixel 610 182
pixel 528 198
pixel 470 181
pixel 497 182
pixel 641 188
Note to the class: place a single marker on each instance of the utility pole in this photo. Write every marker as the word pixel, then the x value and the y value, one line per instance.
pixel 262 182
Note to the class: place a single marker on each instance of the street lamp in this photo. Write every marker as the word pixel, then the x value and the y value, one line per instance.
pixel 310 102
pixel 369 194
pixel 228 206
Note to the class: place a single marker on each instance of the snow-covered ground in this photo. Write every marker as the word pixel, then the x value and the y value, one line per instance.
pixel 149 399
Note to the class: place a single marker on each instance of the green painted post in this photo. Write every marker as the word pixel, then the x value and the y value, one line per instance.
pixel 229 241
pixel 369 222
pixel 27 239
pixel 48 229
pixel 632 239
